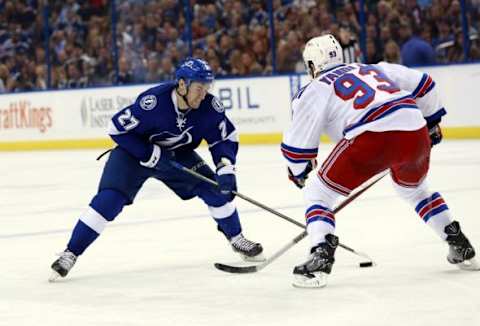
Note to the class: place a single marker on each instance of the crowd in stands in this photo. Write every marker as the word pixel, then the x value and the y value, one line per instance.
pixel 75 47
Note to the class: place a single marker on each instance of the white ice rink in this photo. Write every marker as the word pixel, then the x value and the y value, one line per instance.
pixel 154 264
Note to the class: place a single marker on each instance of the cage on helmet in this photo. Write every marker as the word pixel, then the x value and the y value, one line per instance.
pixel 192 69
pixel 321 53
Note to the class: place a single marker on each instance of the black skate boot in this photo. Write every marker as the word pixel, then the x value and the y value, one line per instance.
pixel 461 252
pixel 313 273
pixel 62 265
pixel 248 250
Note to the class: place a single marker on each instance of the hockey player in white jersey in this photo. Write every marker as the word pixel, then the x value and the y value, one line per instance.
pixel 383 116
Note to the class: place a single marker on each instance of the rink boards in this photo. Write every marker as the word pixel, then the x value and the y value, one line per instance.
pixel 259 107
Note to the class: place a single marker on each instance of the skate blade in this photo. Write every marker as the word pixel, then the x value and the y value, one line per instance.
pixel 469 265
pixel 54 276
pixel 255 259
pixel 317 282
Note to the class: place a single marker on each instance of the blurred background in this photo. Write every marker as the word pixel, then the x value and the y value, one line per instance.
pixel 86 43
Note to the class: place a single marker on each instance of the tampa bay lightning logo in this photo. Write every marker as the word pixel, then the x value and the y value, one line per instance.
pixel 170 140
pixel 148 102
pixel 217 105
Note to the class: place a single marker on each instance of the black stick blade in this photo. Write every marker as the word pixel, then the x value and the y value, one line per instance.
pixel 366 264
pixel 236 269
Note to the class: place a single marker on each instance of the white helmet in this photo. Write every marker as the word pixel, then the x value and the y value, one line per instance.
pixel 321 53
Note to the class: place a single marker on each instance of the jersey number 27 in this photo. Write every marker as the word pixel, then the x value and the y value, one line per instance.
pixel 350 86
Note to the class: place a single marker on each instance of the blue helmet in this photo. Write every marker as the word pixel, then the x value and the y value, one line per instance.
pixel 192 69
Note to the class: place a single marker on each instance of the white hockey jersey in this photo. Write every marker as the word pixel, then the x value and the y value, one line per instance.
pixel 348 100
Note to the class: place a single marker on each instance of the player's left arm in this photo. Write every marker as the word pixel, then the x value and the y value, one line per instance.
pixel 302 137
pixel 222 139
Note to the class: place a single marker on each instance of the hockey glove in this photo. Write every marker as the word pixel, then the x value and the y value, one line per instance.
pixel 227 182
pixel 159 159
pixel 435 133
pixel 300 179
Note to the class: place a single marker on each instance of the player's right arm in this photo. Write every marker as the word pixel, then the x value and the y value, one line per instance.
pixel 127 128
pixel 302 137
pixel 422 87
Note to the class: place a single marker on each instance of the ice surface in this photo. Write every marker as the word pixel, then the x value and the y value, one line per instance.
pixel 154 264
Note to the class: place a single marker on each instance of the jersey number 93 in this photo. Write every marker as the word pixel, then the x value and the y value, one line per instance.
pixel 350 86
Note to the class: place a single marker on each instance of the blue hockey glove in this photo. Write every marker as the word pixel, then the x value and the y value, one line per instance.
pixel 159 159
pixel 227 182
pixel 299 180
pixel 435 133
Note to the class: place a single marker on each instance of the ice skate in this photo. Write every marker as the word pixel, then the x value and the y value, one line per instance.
pixel 248 250
pixel 314 272
pixel 461 252
pixel 62 265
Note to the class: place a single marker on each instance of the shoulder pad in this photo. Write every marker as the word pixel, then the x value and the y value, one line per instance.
pixel 212 104
pixel 217 104
pixel 149 99
pixel 300 91
pixel 148 102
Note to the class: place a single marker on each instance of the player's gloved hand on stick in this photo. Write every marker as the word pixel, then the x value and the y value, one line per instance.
pixel 227 182
pixel 160 158
pixel 299 180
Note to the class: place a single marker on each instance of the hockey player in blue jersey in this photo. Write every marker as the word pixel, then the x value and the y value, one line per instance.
pixel 167 123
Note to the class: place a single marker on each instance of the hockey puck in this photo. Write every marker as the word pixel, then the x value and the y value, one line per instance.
pixel 366 264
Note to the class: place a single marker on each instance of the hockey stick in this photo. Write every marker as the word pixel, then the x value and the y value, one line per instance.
pixel 298 238
pixel 250 200
pixel 285 217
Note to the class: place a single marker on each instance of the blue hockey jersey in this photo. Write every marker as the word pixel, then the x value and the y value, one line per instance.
pixel 155 118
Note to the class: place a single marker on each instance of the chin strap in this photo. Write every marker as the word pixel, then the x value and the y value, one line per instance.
pixel 184 97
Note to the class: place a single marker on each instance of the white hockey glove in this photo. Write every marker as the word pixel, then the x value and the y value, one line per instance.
pixel 159 158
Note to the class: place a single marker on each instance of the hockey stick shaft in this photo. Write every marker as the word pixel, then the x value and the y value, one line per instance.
pixel 271 210
pixel 268 261
pixel 246 198
pixel 282 250
pixel 298 238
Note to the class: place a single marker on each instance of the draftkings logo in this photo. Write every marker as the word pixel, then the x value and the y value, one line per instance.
pixel 22 115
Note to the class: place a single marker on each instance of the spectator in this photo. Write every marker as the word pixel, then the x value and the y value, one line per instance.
pixel 414 50
pixel 237 67
pixel 59 77
pixel 4 76
pixel 372 55
pixel 74 77
pixel 167 69
pixel 216 67
pixel 224 51
pixel 250 65
pixel 40 77
pixel 455 53
pixel 125 75
pixel 392 52
pixel 153 71
pixel 80 32
pixel 351 50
